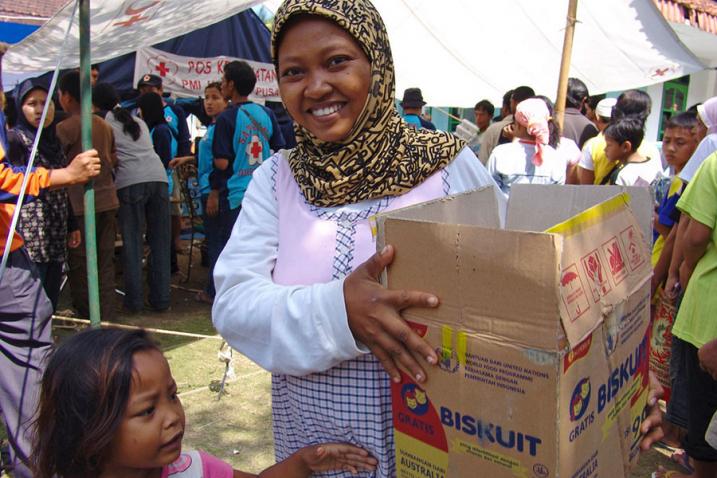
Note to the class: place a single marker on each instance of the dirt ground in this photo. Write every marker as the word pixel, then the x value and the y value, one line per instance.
pixel 236 428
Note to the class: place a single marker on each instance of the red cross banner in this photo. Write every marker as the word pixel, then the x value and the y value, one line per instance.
pixel 186 76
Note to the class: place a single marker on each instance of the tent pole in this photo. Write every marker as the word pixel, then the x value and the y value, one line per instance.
pixel 90 238
pixel 565 62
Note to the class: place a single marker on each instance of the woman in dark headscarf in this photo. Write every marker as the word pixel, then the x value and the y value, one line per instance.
pixel 44 222
pixel 296 284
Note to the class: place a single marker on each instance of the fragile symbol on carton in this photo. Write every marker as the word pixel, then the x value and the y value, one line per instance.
pixel 629 243
pixel 573 293
pixel 615 259
pixel 597 278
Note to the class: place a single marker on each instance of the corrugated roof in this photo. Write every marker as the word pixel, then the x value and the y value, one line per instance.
pixel 700 14
pixel 39 9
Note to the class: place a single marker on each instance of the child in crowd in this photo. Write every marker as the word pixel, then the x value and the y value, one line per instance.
pixel 214 104
pixel 622 140
pixel 141 183
pixel 529 159
pixel 109 408
pixel 678 143
pixel 44 223
pixel 594 166
pixel 695 324
pixel 106 201
pixel 706 131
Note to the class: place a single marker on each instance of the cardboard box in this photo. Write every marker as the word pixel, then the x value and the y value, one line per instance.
pixel 541 335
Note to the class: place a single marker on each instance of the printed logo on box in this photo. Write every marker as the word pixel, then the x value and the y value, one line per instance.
pixel 581 350
pixel 580 399
pixel 448 364
pixel 597 278
pixel 630 240
pixel 414 397
pixel 615 259
pixel 573 293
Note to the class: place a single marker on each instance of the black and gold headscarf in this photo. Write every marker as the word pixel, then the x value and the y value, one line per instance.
pixel 382 155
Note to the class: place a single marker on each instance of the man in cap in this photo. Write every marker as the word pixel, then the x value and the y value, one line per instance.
pixel 412 104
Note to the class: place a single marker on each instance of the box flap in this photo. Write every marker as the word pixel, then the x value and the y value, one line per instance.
pixel 536 207
pixel 605 259
pixel 480 207
pixel 488 280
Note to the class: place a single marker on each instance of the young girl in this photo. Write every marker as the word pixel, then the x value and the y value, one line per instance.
pixel 214 104
pixel 109 408
pixel 141 183
pixel 530 158
pixel 44 222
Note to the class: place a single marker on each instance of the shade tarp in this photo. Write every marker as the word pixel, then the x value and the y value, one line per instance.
pixel 456 51
pixel 117 27
pixel 460 51
pixel 701 43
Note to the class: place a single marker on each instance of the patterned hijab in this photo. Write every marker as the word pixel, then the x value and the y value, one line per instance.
pixel 382 155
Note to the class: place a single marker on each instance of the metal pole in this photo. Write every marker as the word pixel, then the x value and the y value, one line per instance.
pixel 93 290
pixel 565 62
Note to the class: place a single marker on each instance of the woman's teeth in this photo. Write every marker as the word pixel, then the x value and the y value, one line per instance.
pixel 326 111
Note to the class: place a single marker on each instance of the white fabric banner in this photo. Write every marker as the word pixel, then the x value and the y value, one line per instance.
pixel 187 76
pixel 456 51
pixel 117 27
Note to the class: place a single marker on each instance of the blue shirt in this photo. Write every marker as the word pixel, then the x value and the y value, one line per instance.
pixel 205 160
pixel 177 120
pixel 244 135
pixel 166 148
pixel 419 123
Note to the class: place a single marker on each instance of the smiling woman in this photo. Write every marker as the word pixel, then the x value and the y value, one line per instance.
pixel 324 77
pixel 297 287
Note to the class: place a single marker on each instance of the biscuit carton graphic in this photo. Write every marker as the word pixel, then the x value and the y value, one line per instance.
pixel 541 333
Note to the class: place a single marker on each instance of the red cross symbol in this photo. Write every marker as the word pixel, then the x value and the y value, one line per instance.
pixel 255 149
pixel 162 69
pixel 132 20
pixel 661 71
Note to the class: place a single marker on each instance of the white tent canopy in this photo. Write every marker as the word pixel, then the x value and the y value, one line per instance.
pixel 456 51
pixel 460 51
pixel 117 27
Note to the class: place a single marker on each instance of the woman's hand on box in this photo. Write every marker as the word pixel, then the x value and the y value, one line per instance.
pixel 374 315
pixel 651 427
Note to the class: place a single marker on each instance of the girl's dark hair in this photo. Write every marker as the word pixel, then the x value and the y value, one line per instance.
pixel 105 97
pixel 634 104
pixel 214 84
pixel 152 108
pixel 553 127
pixel 626 129
pixel 83 398
pixel 685 120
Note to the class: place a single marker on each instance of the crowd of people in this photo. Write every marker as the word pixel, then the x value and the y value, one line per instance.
pixel 293 272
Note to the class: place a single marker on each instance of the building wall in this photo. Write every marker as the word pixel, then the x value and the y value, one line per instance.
pixel 652 126
pixel 703 85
